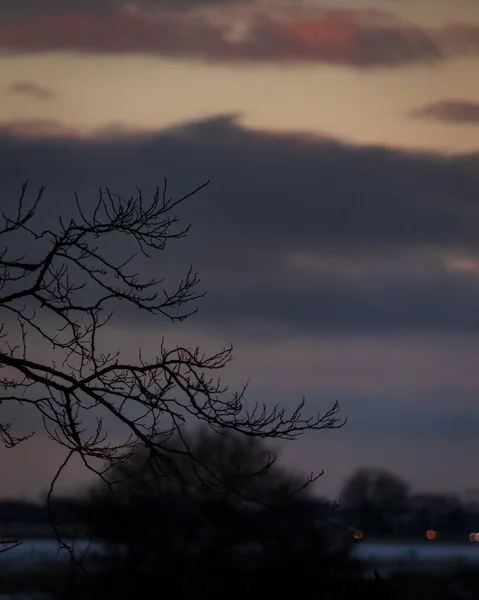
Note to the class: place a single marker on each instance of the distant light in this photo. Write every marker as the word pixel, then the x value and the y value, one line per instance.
pixel 431 534
pixel 358 534
pixel 476 537
pixel 472 537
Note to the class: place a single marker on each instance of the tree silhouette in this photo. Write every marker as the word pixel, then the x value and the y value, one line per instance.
pixel 376 487
pixel 374 495
pixel 61 286
pixel 244 524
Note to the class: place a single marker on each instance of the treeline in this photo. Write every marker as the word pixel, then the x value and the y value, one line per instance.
pixel 211 514
pixel 380 504
pixel 227 518
pixel 23 511
pixel 373 503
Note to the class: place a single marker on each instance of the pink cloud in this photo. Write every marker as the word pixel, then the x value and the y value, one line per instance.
pixel 233 33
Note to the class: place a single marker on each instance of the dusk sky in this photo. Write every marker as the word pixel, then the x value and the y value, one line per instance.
pixel 339 236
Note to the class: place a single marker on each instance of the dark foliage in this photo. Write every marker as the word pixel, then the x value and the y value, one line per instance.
pixel 266 532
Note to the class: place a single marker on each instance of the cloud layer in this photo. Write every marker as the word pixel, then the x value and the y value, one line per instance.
pixel 62 7
pixel 31 89
pixel 326 264
pixel 450 111
pixel 293 234
pixel 234 32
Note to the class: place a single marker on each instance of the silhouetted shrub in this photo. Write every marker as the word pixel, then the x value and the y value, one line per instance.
pixel 240 525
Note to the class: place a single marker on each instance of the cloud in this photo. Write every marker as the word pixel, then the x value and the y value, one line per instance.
pixel 61 7
pixel 461 39
pixel 236 32
pixel 326 264
pixel 22 7
pixel 294 235
pixel 450 111
pixel 32 89
pixel 41 128
pixel 422 415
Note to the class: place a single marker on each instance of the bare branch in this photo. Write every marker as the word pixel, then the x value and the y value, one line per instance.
pixel 65 297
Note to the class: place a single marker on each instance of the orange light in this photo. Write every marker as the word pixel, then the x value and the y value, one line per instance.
pixel 472 537
pixel 431 534
pixel 358 534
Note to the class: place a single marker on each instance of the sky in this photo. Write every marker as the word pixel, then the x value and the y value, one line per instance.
pixel 339 236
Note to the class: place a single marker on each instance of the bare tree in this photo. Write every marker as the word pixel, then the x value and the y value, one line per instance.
pixel 67 291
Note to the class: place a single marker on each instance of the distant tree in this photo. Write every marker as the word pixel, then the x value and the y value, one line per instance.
pixel 375 487
pixel 245 524
pixel 374 495
pixel 444 512
pixel 61 287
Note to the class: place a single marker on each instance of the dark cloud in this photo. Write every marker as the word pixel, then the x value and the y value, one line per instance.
pixel 296 237
pixel 335 307
pixel 32 89
pixel 425 414
pixel 233 32
pixel 42 128
pixel 450 111
pixel 61 7
pixel 304 235
pixel 461 39
pixel 51 7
